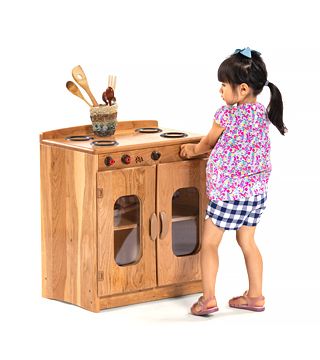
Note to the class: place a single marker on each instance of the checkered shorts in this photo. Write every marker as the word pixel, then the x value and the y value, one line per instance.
pixel 232 214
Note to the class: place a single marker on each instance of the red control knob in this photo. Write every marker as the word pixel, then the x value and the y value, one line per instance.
pixel 109 161
pixel 126 159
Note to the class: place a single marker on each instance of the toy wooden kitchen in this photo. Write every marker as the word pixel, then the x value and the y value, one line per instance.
pixel 121 216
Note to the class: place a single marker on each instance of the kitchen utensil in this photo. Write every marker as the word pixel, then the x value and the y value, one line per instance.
pixel 104 98
pixel 112 79
pixel 80 77
pixel 109 94
pixel 73 88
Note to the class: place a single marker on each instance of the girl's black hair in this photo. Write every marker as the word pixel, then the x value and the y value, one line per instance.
pixel 238 69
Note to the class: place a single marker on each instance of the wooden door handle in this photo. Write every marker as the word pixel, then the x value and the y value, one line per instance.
pixel 164 224
pixel 153 226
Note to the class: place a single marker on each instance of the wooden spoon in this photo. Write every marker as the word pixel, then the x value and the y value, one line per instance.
pixel 73 88
pixel 80 77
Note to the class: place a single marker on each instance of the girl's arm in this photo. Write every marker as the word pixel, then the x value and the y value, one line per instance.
pixel 205 145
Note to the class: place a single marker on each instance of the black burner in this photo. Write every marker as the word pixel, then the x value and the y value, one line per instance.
pixel 174 134
pixel 104 143
pixel 148 130
pixel 79 138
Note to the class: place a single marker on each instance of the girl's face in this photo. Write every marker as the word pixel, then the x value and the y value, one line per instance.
pixel 241 94
pixel 228 94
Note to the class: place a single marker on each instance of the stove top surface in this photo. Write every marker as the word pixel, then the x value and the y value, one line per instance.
pixel 129 135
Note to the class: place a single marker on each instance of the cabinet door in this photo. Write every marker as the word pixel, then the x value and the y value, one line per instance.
pixel 181 203
pixel 126 252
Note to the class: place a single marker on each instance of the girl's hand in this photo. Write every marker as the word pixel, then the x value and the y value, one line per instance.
pixel 187 150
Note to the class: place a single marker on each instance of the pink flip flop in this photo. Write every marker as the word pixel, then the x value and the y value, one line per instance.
pixel 204 309
pixel 251 302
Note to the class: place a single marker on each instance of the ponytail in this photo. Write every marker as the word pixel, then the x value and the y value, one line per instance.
pixel 275 109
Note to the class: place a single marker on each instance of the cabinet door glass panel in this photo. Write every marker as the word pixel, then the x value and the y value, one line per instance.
pixel 126 230
pixel 185 221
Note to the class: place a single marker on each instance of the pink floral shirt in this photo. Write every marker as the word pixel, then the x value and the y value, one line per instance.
pixel 239 165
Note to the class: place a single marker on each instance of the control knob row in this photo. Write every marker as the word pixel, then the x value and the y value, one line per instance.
pixel 126 159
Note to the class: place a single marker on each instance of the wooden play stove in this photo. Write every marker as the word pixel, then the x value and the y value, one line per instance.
pixel 122 216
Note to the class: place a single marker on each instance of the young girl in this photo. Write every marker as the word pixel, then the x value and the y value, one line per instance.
pixel 237 173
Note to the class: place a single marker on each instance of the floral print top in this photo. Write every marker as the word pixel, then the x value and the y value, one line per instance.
pixel 239 165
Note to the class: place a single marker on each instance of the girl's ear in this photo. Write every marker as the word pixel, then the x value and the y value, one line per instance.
pixel 244 89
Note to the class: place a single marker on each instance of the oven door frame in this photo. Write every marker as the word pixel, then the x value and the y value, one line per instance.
pixel 140 275
pixel 172 269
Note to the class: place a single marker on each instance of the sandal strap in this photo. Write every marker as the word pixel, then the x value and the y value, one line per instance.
pixel 251 301
pixel 203 303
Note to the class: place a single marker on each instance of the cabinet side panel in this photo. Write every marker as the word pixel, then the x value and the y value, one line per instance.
pixel 81 248
pixel 53 193
pixel 69 246
pixel 46 224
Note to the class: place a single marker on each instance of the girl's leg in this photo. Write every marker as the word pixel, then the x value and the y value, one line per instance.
pixel 253 259
pixel 211 238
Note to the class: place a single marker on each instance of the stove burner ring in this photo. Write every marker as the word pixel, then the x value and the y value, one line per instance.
pixel 148 130
pixel 104 143
pixel 174 134
pixel 79 138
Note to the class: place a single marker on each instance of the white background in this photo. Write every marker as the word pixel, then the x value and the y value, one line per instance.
pixel 166 55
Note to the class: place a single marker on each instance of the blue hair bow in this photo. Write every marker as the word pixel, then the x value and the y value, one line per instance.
pixel 245 52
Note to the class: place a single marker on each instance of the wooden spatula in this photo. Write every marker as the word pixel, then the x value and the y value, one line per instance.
pixel 80 77
pixel 73 88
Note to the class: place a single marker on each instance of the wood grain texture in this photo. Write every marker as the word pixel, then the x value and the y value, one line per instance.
pixel 68 223
pixel 142 274
pixel 77 219
pixel 174 269
pixel 142 157
pixel 73 88
pixel 87 129
pixel 80 77
pixel 125 135
pixel 151 294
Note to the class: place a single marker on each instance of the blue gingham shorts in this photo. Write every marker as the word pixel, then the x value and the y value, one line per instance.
pixel 232 214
